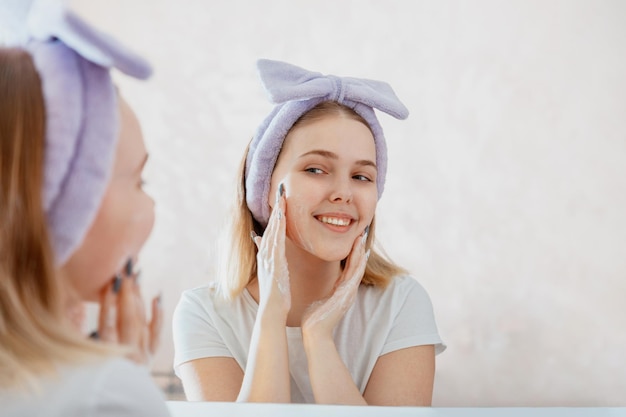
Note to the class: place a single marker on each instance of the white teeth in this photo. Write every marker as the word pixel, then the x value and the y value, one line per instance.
pixel 335 221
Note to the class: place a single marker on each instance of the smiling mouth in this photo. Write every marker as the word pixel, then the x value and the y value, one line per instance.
pixel 335 221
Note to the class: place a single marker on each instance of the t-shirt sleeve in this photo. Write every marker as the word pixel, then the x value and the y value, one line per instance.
pixel 126 389
pixel 194 331
pixel 414 322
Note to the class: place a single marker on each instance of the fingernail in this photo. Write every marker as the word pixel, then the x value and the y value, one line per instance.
pixel 281 190
pixel 159 300
pixel 367 230
pixel 117 283
pixel 253 234
pixel 280 213
pixel 367 254
pixel 94 335
pixel 129 267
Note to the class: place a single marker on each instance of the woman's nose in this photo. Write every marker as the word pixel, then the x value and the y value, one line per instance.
pixel 341 190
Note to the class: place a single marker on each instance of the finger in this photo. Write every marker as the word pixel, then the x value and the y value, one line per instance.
pixel 276 236
pixel 356 259
pixel 156 324
pixel 282 215
pixel 139 303
pixel 255 238
pixel 276 217
pixel 128 318
pixel 107 319
pixel 76 314
pixel 278 248
pixel 144 348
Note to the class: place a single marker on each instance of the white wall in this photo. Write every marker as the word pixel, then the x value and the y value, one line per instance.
pixel 507 184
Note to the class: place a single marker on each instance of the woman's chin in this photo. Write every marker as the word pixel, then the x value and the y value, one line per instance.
pixel 329 255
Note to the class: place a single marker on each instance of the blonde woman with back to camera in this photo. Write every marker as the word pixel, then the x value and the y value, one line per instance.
pixel 73 218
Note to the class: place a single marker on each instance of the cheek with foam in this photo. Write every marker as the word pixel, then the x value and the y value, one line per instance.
pixel 296 217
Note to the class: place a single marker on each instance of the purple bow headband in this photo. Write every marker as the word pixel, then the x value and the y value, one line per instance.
pixel 73 61
pixel 296 91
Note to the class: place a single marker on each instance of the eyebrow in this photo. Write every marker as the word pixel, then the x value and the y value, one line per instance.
pixel 332 155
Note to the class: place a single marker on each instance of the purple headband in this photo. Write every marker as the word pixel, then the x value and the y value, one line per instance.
pixel 73 61
pixel 296 91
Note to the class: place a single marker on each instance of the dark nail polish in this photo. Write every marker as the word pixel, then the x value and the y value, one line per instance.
pixel 129 267
pixel 94 335
pixel 117 283
pixel 281 189
pixel 367 230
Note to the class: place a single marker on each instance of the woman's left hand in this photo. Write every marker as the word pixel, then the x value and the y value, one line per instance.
pixel 322 316
pixel 123 319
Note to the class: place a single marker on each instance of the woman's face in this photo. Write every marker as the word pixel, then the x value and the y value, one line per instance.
pixel 328 167
pixel 124 220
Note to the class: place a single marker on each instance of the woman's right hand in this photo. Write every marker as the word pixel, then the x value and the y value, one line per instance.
pixel 272 272
pixel 123 318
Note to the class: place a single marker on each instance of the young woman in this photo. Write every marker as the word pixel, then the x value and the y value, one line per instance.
pixel 73 218
pixel 310 312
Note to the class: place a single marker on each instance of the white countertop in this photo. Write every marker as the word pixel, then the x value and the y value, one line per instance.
pixel 216 409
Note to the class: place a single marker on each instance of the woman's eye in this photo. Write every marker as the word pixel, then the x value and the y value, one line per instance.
pixel 314 170
pixel 362 178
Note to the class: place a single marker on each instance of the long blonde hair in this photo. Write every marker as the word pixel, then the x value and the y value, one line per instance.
pixel 35 335
pixel 237 258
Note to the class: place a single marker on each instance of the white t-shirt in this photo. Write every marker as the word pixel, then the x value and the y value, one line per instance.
pixel 113 387
pixel 379 322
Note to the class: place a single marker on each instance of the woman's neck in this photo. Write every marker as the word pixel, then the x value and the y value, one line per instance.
pixel 311 279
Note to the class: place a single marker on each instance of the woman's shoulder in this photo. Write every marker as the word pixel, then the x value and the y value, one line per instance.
pixel 208 295
pixel 208 290
pixel 401 285
pixel 206 301
pixel 202 297
pixel 109 386
pixel 123 388
pixel 403 291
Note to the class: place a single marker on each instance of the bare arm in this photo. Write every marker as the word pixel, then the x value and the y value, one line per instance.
pixel 331 381
pixel 404 377
pixel 211 379
pixel 266 376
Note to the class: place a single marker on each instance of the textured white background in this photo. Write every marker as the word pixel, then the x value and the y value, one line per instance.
pixel 507 186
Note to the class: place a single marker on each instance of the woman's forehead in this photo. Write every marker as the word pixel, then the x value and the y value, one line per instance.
pixel 334 134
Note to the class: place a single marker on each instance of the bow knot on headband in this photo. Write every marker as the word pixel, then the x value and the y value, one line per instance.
pixel 285 82
pixel 295 91
pixel 73 60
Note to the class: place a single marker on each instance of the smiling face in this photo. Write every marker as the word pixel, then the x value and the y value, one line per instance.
pixel 124 220
pixel 328 167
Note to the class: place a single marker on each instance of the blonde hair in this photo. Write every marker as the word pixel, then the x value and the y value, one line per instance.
pixel 237 261
pixel 35 334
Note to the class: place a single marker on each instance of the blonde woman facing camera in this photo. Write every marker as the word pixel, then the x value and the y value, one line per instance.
pixel 305 309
